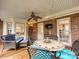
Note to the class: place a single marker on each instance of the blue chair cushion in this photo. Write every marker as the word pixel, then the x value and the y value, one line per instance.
pixel 8 37
pixel 18 40
pixel 67 51
pixel 65 54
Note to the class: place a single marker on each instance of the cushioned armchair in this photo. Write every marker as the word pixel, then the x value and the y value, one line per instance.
pixel 75 47
pixel 9 41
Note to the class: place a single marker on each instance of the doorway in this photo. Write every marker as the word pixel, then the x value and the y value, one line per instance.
pixel 1 29
pixel 32 32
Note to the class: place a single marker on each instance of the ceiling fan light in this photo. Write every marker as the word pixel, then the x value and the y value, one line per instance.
pixel 31 22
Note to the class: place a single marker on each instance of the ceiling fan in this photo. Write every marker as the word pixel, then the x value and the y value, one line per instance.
pixel 34 17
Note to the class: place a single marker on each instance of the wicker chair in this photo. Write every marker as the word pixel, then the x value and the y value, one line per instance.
pixel 38 53
pixel 9 41
pixel 30 51
pixel 75 47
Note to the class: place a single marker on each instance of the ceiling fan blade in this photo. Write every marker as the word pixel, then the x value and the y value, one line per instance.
pixel 29 19
pixel 38 17
pixel 35 18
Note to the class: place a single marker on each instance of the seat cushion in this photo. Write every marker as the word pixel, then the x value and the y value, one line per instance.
pixel 8 37
pixel 18 40
pixel 67 51
pixel 65 54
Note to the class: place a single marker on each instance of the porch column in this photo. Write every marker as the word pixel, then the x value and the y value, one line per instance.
pixel 13 26
pixel 5 28
pixel 40 31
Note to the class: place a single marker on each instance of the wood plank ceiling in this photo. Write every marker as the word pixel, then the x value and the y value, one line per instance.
pixel 23 8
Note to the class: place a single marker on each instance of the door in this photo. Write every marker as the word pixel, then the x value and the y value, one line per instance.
pixel 64 30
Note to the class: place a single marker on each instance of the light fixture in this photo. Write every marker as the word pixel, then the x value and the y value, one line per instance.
pixel 33 19
pixel 31 22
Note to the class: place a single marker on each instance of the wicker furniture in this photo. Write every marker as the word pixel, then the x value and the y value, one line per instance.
pixel 41 49
pixel 9 41
pixel 38 53
pixel 75 47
